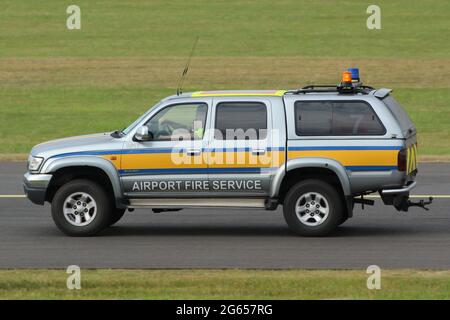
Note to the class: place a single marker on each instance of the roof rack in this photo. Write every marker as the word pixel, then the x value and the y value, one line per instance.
pixel 324 88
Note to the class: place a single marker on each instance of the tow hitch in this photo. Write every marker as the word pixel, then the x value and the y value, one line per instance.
pixel 401 201
pixel 399 198
pixel 421 204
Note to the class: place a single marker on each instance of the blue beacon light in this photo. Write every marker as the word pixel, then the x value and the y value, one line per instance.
pixel 355 74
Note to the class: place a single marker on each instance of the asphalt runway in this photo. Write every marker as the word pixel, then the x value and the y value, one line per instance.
pixel 229 238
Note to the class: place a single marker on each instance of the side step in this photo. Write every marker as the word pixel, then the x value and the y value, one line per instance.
pixel 200 203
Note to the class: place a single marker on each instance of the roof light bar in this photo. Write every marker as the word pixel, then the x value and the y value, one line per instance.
pixel 351 84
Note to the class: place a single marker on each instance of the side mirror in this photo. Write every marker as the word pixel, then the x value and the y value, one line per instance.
pixel 142 134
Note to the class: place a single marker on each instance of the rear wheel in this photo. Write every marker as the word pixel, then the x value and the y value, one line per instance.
pixel 81 208
pixel 343 220
pixel 313 208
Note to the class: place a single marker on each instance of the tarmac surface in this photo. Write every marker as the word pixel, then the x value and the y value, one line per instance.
pixel 229 238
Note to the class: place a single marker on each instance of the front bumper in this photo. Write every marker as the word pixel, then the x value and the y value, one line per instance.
pixel 35 186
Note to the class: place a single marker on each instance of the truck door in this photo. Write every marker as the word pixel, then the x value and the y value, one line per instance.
pixel 172 164
pixel 241 156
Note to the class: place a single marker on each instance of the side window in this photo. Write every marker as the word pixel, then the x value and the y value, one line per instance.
pixel 313 118
pixel 355 118
pixel 179 122
pixel 241 121
pixel 324 118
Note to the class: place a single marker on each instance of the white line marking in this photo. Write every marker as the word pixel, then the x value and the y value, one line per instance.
pixel 436 196
pixel 12 196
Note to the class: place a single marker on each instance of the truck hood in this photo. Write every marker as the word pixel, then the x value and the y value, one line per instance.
pixel 85 143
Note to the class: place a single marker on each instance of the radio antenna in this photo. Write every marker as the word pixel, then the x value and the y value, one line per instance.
pixel 185 71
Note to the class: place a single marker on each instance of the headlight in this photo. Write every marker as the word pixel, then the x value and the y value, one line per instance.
pixel 34 163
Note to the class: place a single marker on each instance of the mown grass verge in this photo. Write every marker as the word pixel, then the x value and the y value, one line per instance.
pixel 224 284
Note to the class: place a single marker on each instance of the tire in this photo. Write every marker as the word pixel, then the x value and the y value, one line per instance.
pixel 343 220
pixel 307 195
pixel 84 195
pixel 117 214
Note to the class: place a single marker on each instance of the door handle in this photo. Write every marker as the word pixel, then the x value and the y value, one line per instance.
pixel 193 152
pixel 258 152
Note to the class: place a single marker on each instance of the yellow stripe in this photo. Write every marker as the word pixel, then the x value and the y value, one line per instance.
pixel 411 159
pixel 161 161
pixel 408 159
pixel 415 156
pixel 436 196
pixel 245 159
pixel 214 159
pixel 114 159
pixel 352 157
pixel 277 93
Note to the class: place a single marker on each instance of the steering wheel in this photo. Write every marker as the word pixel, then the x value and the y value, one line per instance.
pixel 166 128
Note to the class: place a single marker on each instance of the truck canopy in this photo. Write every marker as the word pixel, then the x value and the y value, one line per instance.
pixel 404 121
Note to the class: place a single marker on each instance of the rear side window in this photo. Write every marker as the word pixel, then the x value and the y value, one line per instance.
pixel 313 118
pixel 339 118
pixel 241 121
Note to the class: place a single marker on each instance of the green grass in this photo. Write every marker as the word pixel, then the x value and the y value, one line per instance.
pixel 40 115
pixel 129 54
pixel 35 115
pixel 224 284
pixel 231 28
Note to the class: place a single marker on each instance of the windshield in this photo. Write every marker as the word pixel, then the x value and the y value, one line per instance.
pixel 406 125
pixel 137 121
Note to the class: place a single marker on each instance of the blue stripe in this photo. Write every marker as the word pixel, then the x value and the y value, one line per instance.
pixel 241 149
pixel 237 170
pixel 276 149
pixel 155 151
pixel 161 171
pixel 145 151
pixel 345 148
pixel 371 168
pixel 234 170
pixel 170 150
pixel 192 170
pixel 226 150
pixel 87 153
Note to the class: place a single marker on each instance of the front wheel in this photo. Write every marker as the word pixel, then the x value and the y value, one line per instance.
pixel 117 214
pixel 81 208
pixel 313 208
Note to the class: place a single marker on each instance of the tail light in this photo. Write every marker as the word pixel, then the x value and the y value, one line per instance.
pixel 402 159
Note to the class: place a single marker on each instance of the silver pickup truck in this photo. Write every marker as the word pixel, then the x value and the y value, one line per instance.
pixel 317 151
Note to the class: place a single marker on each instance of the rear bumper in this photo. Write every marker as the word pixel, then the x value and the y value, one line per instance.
pixel 398 197
pixel 405 189
pixel 35 186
